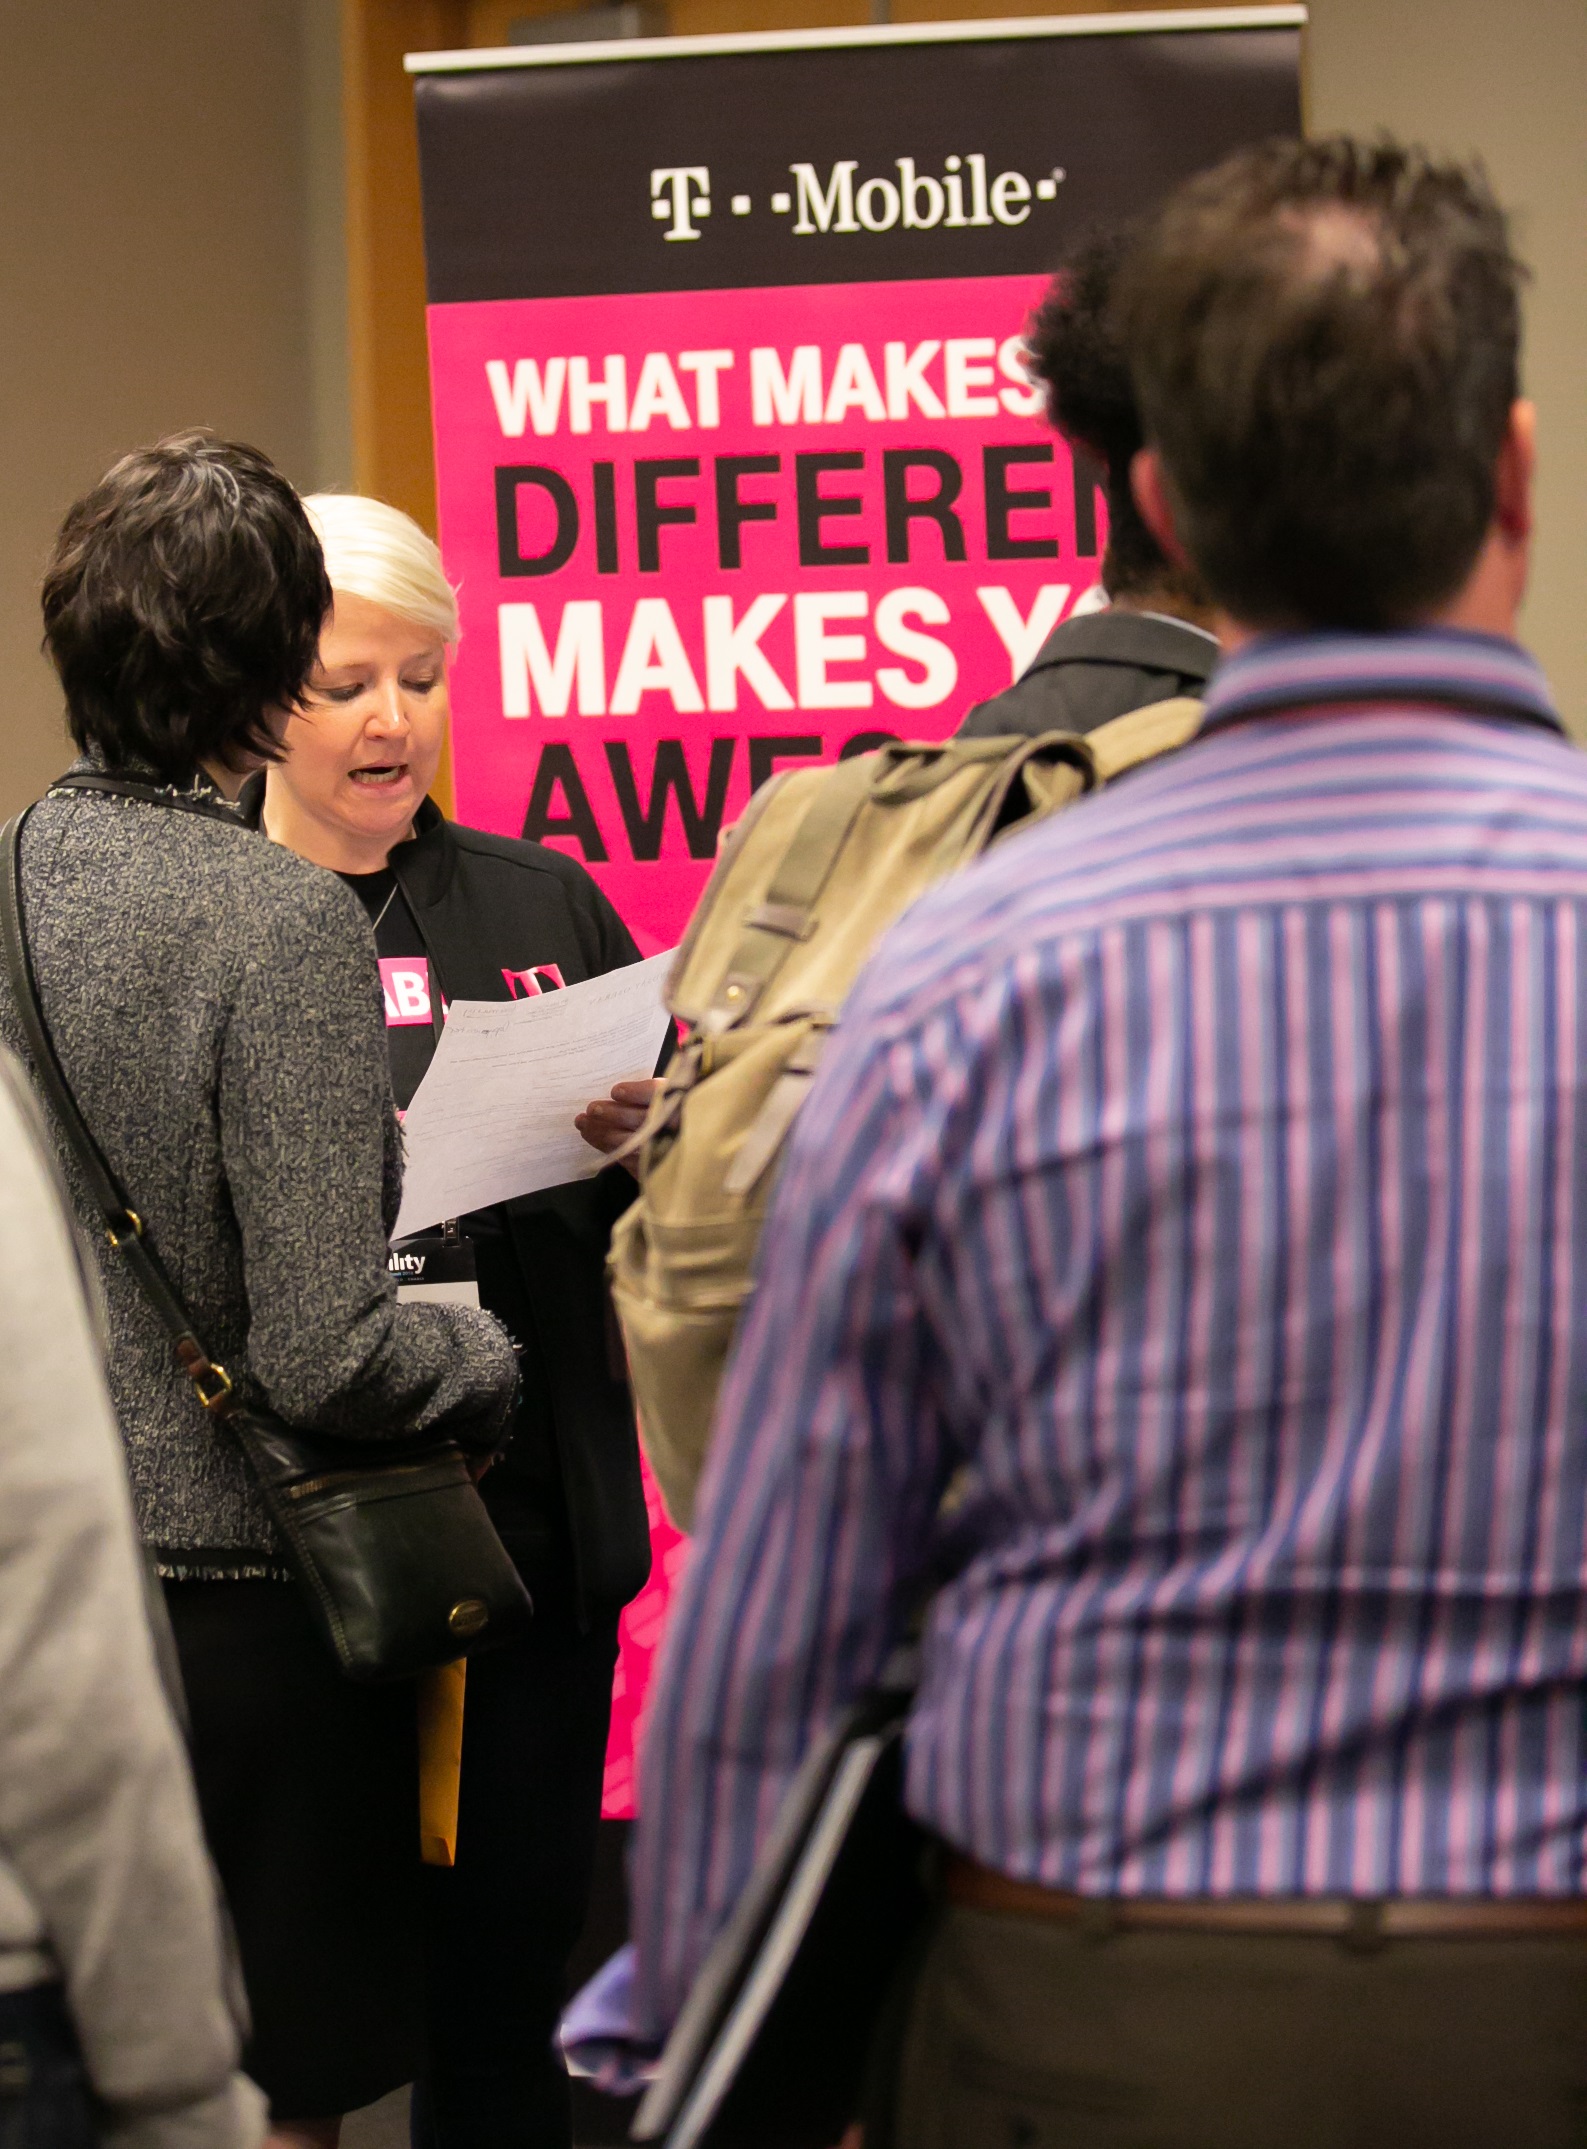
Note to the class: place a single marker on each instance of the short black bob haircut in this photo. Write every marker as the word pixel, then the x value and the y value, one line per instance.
pixel 1075 352
pixel 1324 340
pixel 183 604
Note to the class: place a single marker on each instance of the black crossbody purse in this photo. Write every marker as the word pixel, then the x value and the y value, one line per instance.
pixel 398 1560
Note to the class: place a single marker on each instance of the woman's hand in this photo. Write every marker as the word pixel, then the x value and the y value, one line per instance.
pixel 608 1122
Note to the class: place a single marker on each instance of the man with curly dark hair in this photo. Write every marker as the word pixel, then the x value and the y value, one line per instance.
pixel 1153 639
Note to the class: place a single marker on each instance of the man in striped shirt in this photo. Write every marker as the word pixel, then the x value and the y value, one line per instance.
pixel 1197 1186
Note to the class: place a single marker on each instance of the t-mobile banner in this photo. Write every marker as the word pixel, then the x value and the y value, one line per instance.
pixel 849 528
pixel 738 464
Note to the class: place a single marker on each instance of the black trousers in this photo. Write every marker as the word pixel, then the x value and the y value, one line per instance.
pixel 501 1923
pixel 45 2101
pixel 1029 2035
pixel 309 1789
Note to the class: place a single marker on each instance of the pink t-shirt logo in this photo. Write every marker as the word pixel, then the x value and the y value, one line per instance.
pixel 405 981
pixel 529 984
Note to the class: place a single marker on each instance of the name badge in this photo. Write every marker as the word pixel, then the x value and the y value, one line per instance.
pixel 405 982
pixel 435 1269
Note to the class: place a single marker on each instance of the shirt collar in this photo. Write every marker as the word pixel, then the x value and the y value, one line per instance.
pixel 1186 626
pixel 1478 674
pixel 1138 639
pixel 198 788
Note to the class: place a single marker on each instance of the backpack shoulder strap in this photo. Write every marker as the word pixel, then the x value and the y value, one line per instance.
pixel 1143 734
pixel 897 775
pixel 774 926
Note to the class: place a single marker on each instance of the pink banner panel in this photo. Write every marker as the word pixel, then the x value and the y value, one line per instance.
pixel 701 536
pixel 704 535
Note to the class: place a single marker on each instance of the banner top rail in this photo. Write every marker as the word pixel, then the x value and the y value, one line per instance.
pixel 597 52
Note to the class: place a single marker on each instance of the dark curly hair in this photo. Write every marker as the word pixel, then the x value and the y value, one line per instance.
pixel 1324 338
pixel 1091 401
pixel 182 607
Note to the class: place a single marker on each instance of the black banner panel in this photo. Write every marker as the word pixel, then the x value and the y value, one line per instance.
pixel 738 461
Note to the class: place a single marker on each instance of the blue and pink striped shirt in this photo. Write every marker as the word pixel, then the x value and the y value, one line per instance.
pixel 1185 1250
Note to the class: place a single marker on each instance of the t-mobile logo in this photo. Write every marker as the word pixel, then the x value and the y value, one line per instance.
pixel 531 983
pixel 966 195
pixel 680 191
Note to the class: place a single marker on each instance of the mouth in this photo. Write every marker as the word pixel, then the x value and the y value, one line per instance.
pixel 380 775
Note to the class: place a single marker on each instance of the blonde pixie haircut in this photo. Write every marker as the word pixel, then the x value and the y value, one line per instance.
pixel 378 553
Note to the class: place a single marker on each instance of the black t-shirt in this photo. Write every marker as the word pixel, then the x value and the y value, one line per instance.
pixel 404 978
pixel 522 1490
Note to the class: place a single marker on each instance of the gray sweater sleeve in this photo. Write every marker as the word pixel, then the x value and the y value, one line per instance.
pixel 103 1872
pixel 313 1161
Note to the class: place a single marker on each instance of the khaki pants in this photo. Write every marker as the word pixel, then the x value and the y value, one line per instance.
pixel 1025 2034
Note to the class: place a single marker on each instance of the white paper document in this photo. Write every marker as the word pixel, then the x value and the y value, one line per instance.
pixel 493 1117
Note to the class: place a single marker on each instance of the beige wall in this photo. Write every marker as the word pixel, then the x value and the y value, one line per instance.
pixel 171 252
pixel 168 257
pixel 1508 79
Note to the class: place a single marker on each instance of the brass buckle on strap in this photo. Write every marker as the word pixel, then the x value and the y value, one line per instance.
pixel 199 1369
pixel 216 1397
pixel 132 1228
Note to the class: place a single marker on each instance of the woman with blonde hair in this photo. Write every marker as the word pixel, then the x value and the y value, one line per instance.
pixel 458 913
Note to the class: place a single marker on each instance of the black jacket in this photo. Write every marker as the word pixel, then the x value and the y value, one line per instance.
pixel 1092 669
pixel 486 905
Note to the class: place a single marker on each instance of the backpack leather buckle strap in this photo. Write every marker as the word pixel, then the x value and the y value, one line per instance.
pixel 769 1129
pixel 791 920
pixel 787 913
pixel 735 1000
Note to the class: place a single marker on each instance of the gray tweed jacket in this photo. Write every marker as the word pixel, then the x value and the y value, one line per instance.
pixel 216 1007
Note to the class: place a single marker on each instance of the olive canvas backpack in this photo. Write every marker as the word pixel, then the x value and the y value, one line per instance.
pixel 821 863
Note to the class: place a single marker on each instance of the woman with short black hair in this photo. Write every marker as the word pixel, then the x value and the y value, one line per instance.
pixel 182 609
pixel 216 1006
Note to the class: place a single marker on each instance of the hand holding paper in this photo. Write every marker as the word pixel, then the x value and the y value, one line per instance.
pixel 494 1116
pixel 610 1123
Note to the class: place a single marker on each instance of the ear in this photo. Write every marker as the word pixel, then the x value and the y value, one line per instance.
pixel 1515 471
pixel 1150 488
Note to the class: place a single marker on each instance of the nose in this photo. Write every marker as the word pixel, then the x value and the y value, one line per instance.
pixel 389 719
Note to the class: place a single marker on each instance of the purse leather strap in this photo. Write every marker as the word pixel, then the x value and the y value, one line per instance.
pixel 123 1226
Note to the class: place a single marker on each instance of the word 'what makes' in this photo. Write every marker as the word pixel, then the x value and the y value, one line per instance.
pixel 956 377
pixel 919 496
